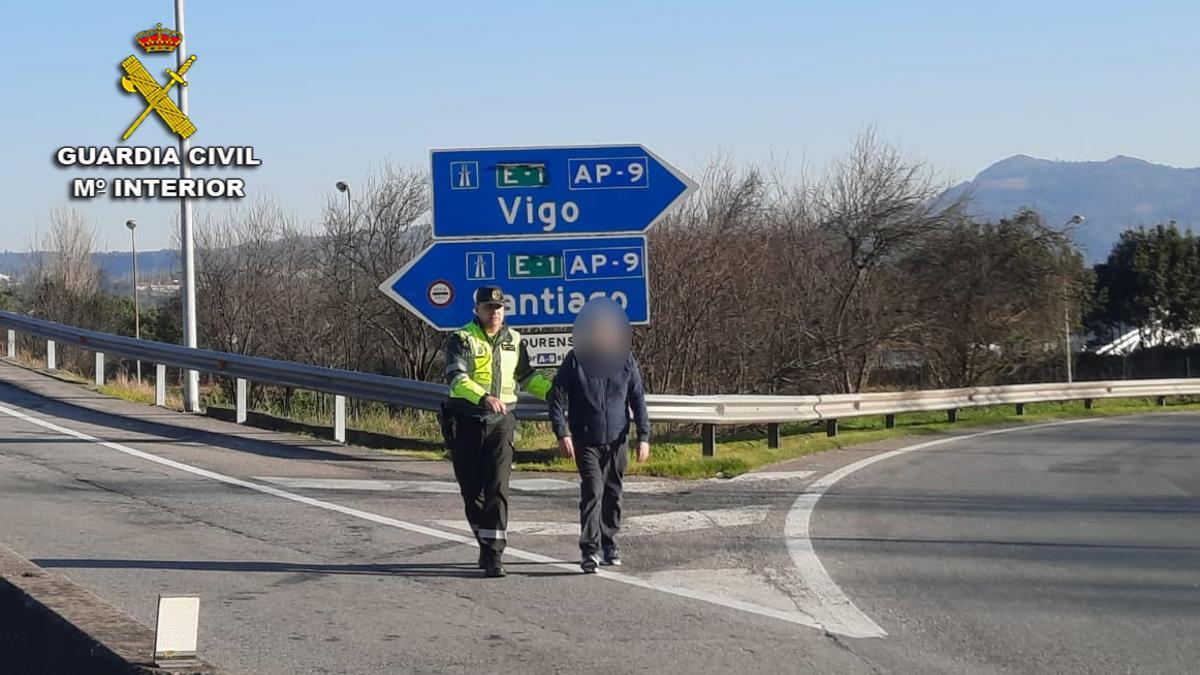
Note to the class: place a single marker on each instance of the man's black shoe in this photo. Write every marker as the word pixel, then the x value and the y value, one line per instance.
pixel 589 564
pixel 612 556
pixel 494 569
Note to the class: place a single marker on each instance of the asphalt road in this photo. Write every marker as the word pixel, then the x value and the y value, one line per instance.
pixel 1059 549
pixel 1072 548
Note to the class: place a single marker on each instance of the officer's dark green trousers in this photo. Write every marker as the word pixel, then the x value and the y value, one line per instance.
pixel 482 454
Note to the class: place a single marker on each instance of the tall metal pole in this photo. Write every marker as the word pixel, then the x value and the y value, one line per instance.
pixel 1067 338
pixel 191 379
pixel 137 311
pixel 1076 219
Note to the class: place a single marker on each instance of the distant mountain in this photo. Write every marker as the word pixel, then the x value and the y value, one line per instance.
pixel 1111 195
pixel 115 265
pixel 151 264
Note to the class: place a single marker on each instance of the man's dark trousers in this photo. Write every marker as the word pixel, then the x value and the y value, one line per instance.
pixel 482 455
pixel 601 470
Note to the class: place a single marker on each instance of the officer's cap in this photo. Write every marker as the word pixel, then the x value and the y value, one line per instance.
pixel 489 295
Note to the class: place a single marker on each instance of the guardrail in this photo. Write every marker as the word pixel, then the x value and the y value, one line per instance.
pixel 707 411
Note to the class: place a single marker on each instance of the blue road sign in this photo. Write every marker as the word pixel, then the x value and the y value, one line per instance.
pixel 546 281
pixel 553 191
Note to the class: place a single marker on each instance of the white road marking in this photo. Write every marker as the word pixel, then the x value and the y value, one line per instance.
pixel 362 484
pixel 650 524
pixel 542 484
pixel 761 476
pixel 719 600
pixel 825 601
pixel 652 487
pixel 519 484
pixel 544 528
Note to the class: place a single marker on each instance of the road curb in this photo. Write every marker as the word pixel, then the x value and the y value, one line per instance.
pixel 50 624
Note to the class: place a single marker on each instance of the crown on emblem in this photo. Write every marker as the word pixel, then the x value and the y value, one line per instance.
pixel 159 39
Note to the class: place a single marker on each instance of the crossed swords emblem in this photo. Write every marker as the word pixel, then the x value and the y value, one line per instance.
pixel 139 80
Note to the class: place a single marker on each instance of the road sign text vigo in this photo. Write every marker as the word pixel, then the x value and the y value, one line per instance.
pixel 553 191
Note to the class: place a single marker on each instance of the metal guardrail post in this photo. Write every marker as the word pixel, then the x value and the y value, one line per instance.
pixel 51 356
pixel 12 343
pixel 708 440
pixel 773 435
pixel 1020 409
pixel 831 428
pixel 889 421
pixel 99 369
pixel 160 385
pixel 1162 401
pixel 1088 404
pixel 952 415
pixel 339 418
pixel 242 402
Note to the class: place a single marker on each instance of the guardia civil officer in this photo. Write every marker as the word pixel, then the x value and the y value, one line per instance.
pixel 485 361
pixel 597 385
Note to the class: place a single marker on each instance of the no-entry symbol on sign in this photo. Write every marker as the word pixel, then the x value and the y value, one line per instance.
pixel 440 293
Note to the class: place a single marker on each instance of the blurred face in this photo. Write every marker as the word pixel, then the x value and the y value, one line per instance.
pixel 606 335
pixel 490 315
pixel 601 337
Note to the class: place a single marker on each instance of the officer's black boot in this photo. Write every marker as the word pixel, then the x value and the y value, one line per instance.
pixel 492 565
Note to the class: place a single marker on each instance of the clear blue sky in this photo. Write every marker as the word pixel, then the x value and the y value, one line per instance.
pixel 328 90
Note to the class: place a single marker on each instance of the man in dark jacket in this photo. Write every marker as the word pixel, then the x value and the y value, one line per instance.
pixel 597 385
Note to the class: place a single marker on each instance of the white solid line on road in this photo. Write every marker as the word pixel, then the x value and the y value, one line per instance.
pixel 829 605
pixel 650 524
pixel 794 617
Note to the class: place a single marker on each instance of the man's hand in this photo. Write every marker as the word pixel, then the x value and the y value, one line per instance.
pixel 566 447
pixel 495 405
pixel 643 451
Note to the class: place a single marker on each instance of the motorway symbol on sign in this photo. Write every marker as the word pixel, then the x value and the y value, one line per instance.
pixel 552 191
pixel 546 281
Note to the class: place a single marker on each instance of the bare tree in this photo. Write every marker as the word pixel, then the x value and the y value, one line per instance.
pixel 992 297
pixel 388 227
pixel 705 271
pixel 64 283
pixel 872 208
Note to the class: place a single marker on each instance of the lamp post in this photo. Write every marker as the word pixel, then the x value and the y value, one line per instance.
pixel 137 311
pixel 1076 219
pixel 343 186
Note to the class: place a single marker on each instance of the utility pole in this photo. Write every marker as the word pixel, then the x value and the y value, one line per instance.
pixel 191 378
pixel 1076 219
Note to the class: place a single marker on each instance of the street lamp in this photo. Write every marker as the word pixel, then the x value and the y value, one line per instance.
pixel 1076 219
pixel 137 312
pixel 343 186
